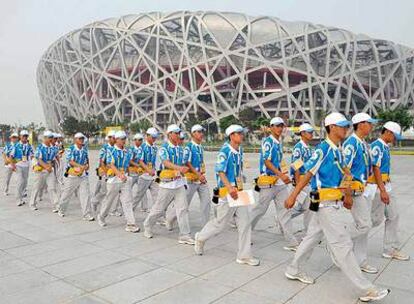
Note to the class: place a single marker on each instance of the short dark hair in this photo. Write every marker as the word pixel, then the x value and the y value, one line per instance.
pixel 327 129
pixel 383 130
pixel 355 126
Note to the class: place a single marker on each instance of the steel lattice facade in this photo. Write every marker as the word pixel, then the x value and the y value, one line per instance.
pixel 203 66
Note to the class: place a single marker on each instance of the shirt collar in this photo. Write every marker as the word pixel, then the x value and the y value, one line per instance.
pixel 76 147
pixel 331 144
pixel 303 143
pixel 233 150
pixel 172 145
pixel 383 142
pixel 196 144
pixel 148 143
pixel 118 148
pixel 357 138
pixel 274 139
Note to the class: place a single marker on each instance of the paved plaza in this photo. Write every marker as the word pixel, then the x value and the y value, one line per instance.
pixel 48 259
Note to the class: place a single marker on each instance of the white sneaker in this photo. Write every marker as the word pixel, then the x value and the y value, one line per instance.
pixel 132 228
pixel 396 255
pixel 169 225
pixel 148 234
pixel 375 295
pixel 248 261
pixel 369 269
pixel 34 208
pixel 6 193
pixel 302 277
pixel 61 214
pixel 291 248
pixel 186 240
pixel 55 210
pixel 101 221
pixel 88 218
pixel 20 203
pixel 198 246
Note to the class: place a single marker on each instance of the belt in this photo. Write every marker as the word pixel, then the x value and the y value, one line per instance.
pixel 384 176
pixel 191 177
pixel 266 181
pixel 223 191
pixel 330 194
pixel 337 204
pixel 111 173
pixel 135 170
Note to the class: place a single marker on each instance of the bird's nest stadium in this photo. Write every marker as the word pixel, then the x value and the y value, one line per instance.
pixel 204 66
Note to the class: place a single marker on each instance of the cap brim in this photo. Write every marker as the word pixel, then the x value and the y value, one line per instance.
pixel 344 123
pixel 398 136
pixel 373 120
pixel 309 130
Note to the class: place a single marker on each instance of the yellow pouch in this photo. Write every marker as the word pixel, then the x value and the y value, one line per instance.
pixel 169 174
pixel 330 194
pixel 75 171
pixel 135 170
pixel 385 178
pixel 37 168
pixel 266 180
pixel 297 164
pixel 102 170
pixel 223 191
pixel 191 177
pixel 203 168
pixel 111 172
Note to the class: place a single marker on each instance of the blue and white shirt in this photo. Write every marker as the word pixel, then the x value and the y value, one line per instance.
pixel 45 153
pixel 148 153
pixel 103 152
pixel 79 156
pixel 8 148
pixel 22 151
pixel 326 166
pixel 136 153
pixel 357 158
pixel 301 151
pixel 120 158
pixel 381 158
pixel 174 154
pixel 271 150
pixel 230 162
pixel 194 154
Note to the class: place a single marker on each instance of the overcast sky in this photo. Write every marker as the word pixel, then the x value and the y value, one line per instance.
pixel 28 27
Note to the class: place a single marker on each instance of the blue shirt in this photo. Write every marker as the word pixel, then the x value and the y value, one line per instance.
pixel 357 158
pixel 22 150
pixel 271 150
pixel 381 158
pixel 103 152
pixel 45 153
pixel 79 156
pixel 174 154
pixel 230 162
pixel 136 153
pixel 194 154
pixel 8 148
pixel 120 158
pixel 148 153
pixel 326 166
pixel 301 151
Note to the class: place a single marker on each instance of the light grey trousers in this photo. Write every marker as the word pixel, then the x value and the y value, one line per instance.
pixel 122 191
pixel 139 192
pixel 278 194
pixel 22 174
pixel 204 195
pixel 225 214
pixel 303 208
pixel 72 184
pixel 40 180
pixel 9 173
pixel 329 222
pixel 164 199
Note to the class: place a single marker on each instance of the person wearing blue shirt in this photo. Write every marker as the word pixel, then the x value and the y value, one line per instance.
pixel 44 156
pixel 135 169
pixel 147 156
pixel 357 160
pixel 23 153
pixel 327 170
pixel 100 186
pixel 76 178
pixel 196 179
pixel 228 168
pixel 9 161
pixel 301 153
pixel 118 183
pixel 273 183
pixel 384 204
pixel 172 187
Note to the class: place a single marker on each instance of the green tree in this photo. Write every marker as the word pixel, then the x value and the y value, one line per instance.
pixel 4 130
pixel 227 121
pixel 140 126
pixel 400 115
pixel 260 122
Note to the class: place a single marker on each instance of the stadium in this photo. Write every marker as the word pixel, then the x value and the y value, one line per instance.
pixel 204 66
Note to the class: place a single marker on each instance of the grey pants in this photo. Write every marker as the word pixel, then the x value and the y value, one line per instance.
pixel 278 194
pixel 72 184
pixel 123 190
pixel 40 180
pixel 99 193
pixel 205 206
pixel 22 179
pixel 389 212
pixel 329 222
pixel 164 199
pixel 9 173
pixel 139 192
pixel 224 215
pixel 303 208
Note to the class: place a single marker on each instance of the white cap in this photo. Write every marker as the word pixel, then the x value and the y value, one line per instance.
pixel 24 133
pixel 277 121
pixel 58 135
pixel 234 128
pixel 305 127
pixel 173 128
pixel 79 135
pixel 196 128
pixel 55 135
pixel 138 136
pixel 336 119
pixel 14 134
pixel 47 134
pixel 111 133
pixel 394 128
pixel 182 135
pixel 362 117
pixel 120 134
pixel 153 132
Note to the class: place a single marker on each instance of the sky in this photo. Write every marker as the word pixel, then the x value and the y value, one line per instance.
pixel 28 27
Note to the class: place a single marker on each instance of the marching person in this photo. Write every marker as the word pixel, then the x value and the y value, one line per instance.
pixel 196 179
pixel 9 162
pixel 100 187
pixel 147 156
pixel 135 170
pixel 384 204
pixel 172 187
pixel 118 183
pixel 357 160
pixel 23 153
pixel 325 168
pixel 77 178
pixel 272 183
pixel 43 172
pixel 228 168
pixel 302 152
